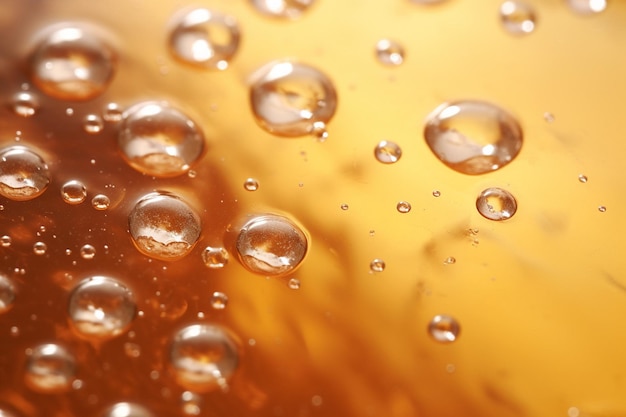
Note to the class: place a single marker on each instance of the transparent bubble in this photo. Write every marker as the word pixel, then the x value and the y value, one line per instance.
pixel 294 283
pixel 389 52
pixel 518 18
pixel 215 258
pixel 204 357
pixel 403 206
pixel 72 63
pixel 127 410
pixel 101 308
pixel 74 192
pixel 377 265
pixel 7 294
pixel 271 245
pixel 219 300
pixel 496 204
pixel 191 403
pixel 132 350
pixel 251 184
pixel 160 140
pixel 40 248
pixel 204 38
pixel 25 104
pixel 601 209
pixel 387 152
pixel 582 178
pixel 50 368
pixel 444 329
pixel 290 9
pixel 93 124
pixel 5 241
pixel 23 174
pixel 344 207
pixel 100 202
pixel 112 113
pixel 163 226
pixel 87 251
pixel 292 99
pixel 587 7
pixel 549 117
pixel 436 193
pixel 450 260
pixel 473 137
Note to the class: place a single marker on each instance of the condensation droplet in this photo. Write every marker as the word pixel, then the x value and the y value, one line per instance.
pixel 100 202
pixel 292 99
pixel 251 184
pixel 377 265
pixel 582 178
pixel 473 137
pixel 93 124
pixel 601 209
pixel 387 152
pixel 450 260
pixel 127 410
pixel 290 9
pixel 191 403
pixel 101 307
pixel 23 174
pixel 40 248
pixel 294 283
pixel 87 251
pixel 518 18
pixel 160 140
pixel 73 192
pixel 219 300
pixel 204 38
pixel 587 7
pixel 215 257
pixel 5 241
pixel 436 193
pixel 50 368
pixel 163 226
pixel 271 245
pixel 444 329
pixel 389 52
pixel 403 206
pixel 72 64
pixel 112 113
pixel 204 357
pixel 25 104
pixel 7 294
pixel 496 204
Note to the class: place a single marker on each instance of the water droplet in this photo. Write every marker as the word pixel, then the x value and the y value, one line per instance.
pixel 444 329
pixel 587 7
pixel 40 248
pixel 294 283
pixel 93 124
pixel 25 104
pixel 23 174
pixel 403 207
pixel 101 307
pixel 290 9
pixel 191 403
pixel 5 241
pixel 100 202
pixel 160 140
pixel 387 152
pixel 7 294
pixel 69 111
pixel 496 204
pixel 73 192
pixel 251 184
pixel 72 64
pixel 219 300
pixel 215 258
pixel 377 265
pixel 602 209
pixel 344 207
pixel 132 350
pixel 204 38
pixel 582 178
pixel 127 410
pixel 436 193
pixel 163 226
pixel 271 245
pixel 389 52
pixel 291 99
pixel 112 113
pixel 518 18
pixel 203 357
pixel 50 368
pixel 450 260
pixel 87 251
pixel 473 137
pixel 549 117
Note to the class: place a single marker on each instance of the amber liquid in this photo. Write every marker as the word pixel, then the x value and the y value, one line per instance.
pixel 539 297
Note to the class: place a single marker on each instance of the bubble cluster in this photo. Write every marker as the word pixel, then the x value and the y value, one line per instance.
pixel 387 152
pixel 24 175
pixel 73 192
pixel 290 9
pixel 496 204
pixel 518 18
pixel 215 257
pixel 389 52
pixel 50 368
pixel 444 329
pixel 7 294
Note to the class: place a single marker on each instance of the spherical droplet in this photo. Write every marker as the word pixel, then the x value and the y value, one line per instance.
pixel 40 248
pixel 473 137
pixel 518 18
pixel 294 283
pixel 25 104
pixel 7 294
pixel 292 99
pixel 127 410
pixel 23 174
pixel 93 124
pixel 72 64
pixel 403 206
pixel 450 260
pixel 587 7
pixel 290 9
pixel 436 193
pixel 5 241
pixel 160 140
pixel 215 258
pixel 204 38
pixel 389 52
pixel 582 178
pixel 163 226
pixel 219 300
pixel 496 204
pixel 101 307
pixel 387 152
pixel 271 245
pixel 444 329
pixel 344 207
pixel 204 357
pixel 100 202
pixel 112 113
pixel 251 184
pixel 73 192
pixel 50 368
pixel 87 251
pixel 377 265
pixel 601 209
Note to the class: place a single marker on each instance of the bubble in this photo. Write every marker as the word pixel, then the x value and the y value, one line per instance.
pixel 25 104
pixel 582 178
pixel 101 307
pixel 215 258
pixel 271 245
pixel 389 52
pixel 7 294
pixel 549 117
pixel 163 226
pixel 204 357
pixel 587 7
pixel 403 207
pixel 601 209
pixel 100 202
pixel 496 204
pixel 160 140
pixel 294 283
pixel 112 113
pixel 191 403
pixel 127 410
pixel 87 251
pixel 444 329
pixel 290 9
pixel 73 192
pixel 387 152
pixel 50 368
pixel 344 207
pixel 377 265
pixel 450 260
pixel 473 137
pixel 204 38
pixel 23 174
pixel 132 350
pixel 72 64
pixel 93 124
pixel 436 193
pixel 251 184
pixel 219 300
pixel 292 99
pixel 518 18
pixel 40 248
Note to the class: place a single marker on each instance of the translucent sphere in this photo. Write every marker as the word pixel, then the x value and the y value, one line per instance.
pixel 50 368
pixel 23 174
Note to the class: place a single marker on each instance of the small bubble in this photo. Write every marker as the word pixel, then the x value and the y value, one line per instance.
pixel 204 357
pixel 601 209
pixel 7 294
pixel 14 331
pixel 163 226
pixel 5 241
pixel 436 193
pixel 132 350
pixel 444 329
pixel 377 265
pixel 77 384
pixel 40 248
pixel 290 9
pixel 215 257
pixel 344 207
pixel 582 178
pixel 292 99
pixel 101 307
pixel 387 152
pixel 25 104
pixel 549 117
pixel 251 184
pixel 93 124
pixel 403 207
pixel 518 18
pixel 69 111
pixel 496 204
pixel 587 7
pixel 191 403
pixel 204 38
pixel 317 400
pixel 50 368
pixel 112 113
pixel 87 251
pixel 450 260
pixel 127 410
pixel 389 52
pixel 23 174
pixel 100 202
pixel 74 192
pixel 192 173
pixel 294 283
pixel 219 300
